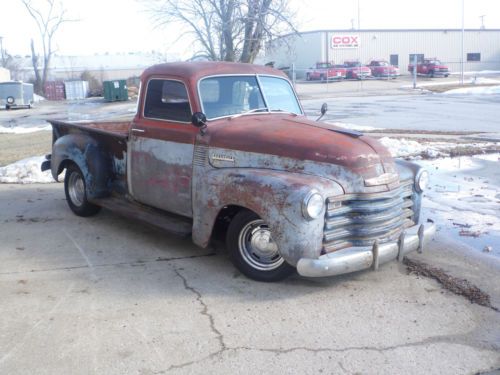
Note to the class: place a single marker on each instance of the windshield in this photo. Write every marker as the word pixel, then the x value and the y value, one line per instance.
pixel 234 95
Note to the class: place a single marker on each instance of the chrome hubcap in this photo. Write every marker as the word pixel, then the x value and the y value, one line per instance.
pixel 76 189
pixel 258 248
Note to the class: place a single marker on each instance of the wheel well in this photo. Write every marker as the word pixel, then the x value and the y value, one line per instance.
pixel 224 217
pixel 64 164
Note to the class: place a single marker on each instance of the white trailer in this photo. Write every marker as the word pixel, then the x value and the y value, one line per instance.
pixel 16 94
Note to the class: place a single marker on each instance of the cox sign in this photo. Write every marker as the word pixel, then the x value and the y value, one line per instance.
pixel 345 41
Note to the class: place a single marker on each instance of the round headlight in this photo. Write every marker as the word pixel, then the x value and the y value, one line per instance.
pixel 422 180
pixel 312 205
pixel 10 100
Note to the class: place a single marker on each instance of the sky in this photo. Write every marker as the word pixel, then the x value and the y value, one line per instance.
pixel 122 26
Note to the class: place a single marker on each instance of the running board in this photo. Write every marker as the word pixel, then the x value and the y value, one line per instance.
pixel 175 224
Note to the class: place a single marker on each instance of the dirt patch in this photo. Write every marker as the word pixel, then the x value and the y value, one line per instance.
pixel 14 147
pixel 443 88
pixel 461 287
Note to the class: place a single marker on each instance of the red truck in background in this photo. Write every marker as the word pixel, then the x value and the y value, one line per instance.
pixel 431 67
pixel 356 71
pixel 381 68
pixel 324 71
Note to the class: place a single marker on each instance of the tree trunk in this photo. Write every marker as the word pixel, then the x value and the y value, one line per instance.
pixel 34 59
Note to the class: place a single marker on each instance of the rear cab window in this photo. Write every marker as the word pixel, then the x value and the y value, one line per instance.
pixel 167 100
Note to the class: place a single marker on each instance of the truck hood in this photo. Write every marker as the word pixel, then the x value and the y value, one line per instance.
pixel 292 138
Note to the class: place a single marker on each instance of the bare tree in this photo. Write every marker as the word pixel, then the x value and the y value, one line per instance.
pixel 229 30
pixel 49 15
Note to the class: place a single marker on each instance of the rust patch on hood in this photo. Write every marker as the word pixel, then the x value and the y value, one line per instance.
pixel 299 138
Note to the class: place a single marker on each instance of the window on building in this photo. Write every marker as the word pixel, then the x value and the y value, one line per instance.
pixel 473 57
pixel 167 100
pixel 420 57
pixel 394 59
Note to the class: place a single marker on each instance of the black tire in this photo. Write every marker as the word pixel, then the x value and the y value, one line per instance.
pixel 308 77
pixel 261 264
pixel 431 73
pixel 76 193
pixel 322 78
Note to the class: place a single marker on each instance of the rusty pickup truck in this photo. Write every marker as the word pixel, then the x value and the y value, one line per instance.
pixel 226 148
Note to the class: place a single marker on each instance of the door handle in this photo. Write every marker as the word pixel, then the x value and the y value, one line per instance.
pixel 138 130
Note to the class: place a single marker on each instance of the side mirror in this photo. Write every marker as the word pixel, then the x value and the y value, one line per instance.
pixel 200 121
pixel 324 109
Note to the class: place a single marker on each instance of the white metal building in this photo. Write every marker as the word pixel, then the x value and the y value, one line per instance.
pixel 481 48
pixel 4 75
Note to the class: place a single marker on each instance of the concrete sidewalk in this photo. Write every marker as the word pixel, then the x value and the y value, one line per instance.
pixel 112 296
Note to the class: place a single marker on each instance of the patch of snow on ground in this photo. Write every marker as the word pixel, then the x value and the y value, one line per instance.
pixel 26 171
pixel 463 198
pixel 23 130
pixel 484 90
pixel 405 147
pixel 346 125
pixel 473 80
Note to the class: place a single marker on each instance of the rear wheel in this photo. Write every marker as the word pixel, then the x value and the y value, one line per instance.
pixel 431 73
pixel 308 77
pixel 76 193
pixel 322 78
pixel 253 250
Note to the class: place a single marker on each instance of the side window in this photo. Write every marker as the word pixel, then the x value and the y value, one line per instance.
pixel 167 100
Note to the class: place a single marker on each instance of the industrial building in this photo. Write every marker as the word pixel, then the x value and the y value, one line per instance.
pixel 481 48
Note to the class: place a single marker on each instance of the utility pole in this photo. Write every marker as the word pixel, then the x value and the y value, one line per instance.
pixel 482 21
pixel 462 51
pixel 359 15
pixel 1 51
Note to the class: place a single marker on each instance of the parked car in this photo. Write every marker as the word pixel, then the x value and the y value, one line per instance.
pixel 355 70
pixel 324 71
pixel 219 147
pixel 16 95
pixel 431 67
pixel 381 68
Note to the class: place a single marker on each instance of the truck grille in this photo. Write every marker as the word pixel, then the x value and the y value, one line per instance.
pixel 360 219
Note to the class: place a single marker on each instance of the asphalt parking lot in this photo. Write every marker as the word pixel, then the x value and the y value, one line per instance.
pixel 113 296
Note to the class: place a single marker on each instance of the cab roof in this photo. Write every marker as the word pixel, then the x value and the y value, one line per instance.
pixel 197 69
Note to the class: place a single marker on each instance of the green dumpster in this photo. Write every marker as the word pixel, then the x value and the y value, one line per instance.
pixel 115 90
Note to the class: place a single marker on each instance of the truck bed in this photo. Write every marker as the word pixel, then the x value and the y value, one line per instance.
pixel 118 129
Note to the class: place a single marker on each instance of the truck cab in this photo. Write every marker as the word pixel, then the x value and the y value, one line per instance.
pixel 227 146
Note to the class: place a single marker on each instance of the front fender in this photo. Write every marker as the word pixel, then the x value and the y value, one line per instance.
pixel 273 195
pixel 84 151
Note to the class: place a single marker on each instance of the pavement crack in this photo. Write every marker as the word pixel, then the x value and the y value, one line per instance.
pixel 205 312
pixel 118 264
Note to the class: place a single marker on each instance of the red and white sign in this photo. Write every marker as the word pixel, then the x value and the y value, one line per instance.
pixel 345 41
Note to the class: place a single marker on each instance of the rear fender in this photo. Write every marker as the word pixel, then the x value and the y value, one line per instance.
pixel 84 151
pixel 273 195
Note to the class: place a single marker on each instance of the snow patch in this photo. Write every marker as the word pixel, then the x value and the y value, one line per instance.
pixel 347 125
pixel 484 90
pixel 23 130
pixel 26 171
pixel 405 147
pixel 463 200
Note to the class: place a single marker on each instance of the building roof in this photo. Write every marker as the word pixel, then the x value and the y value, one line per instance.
pixel 351 31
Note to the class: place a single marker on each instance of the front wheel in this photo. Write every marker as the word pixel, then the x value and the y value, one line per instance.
pixel 253 250
pixel 76 193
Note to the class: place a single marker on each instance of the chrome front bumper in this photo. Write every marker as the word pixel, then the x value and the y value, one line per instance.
pixel 359 258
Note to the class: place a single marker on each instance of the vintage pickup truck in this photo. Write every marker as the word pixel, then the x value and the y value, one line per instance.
pixel 326 72
pixel 431 67
pixel 226 147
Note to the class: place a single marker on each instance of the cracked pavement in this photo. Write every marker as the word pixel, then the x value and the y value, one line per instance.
pixel 114 296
